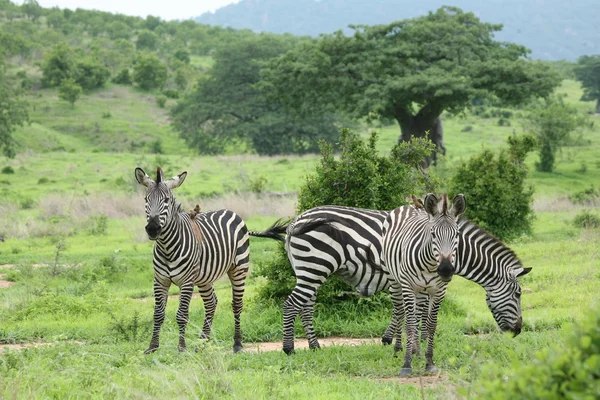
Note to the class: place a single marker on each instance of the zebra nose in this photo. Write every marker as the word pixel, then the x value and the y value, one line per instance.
pixel 153 227
pixel 518 327
pixel 445 270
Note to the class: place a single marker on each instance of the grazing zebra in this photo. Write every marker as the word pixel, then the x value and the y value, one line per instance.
pixel 419 251
pixel 481 258
pixel 192 252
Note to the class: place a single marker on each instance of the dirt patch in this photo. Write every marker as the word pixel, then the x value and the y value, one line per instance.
pixel 419 381
pixel 40 265
pixel 21 346
pixel 4 284
pixel 303 344
pixel 171 296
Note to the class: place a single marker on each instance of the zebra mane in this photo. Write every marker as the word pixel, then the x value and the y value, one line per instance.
pixel 482 232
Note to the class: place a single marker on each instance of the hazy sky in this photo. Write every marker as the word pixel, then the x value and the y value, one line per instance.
pixel 166 9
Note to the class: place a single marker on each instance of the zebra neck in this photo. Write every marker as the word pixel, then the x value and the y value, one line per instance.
pixel 488 273
pixel 171 238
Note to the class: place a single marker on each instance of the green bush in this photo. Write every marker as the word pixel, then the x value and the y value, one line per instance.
pixel 494 186
pixel 123 77
pixel 571 371
pixel 585 196
pixel 8 170
pixel 586 219
pixel 359 177
pixel 161 101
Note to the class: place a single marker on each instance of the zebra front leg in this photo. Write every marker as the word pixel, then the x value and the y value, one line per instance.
pixel 434 307
pixel 185 296
pixel 210 305
pixel 237 279
pixel 409 299
pixel 160 303
pixel 423 313
pixel 307 322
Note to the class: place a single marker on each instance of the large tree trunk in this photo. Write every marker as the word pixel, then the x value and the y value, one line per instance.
pixel 418 126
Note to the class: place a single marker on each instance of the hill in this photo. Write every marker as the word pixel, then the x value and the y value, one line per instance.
pixel 552 29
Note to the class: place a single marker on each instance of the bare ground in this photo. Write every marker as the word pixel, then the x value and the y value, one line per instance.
pixel 4 284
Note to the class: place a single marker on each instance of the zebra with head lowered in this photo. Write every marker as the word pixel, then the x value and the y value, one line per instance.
pixel 192 252
pixel 333 233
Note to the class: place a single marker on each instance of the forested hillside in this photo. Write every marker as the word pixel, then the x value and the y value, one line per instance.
pixel 552 29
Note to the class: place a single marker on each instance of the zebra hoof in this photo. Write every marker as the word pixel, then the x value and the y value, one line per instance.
pixel 288 350
pixel 314 346
pixel 431 369
pixel 181 349
pixel 404 372
pixel 150 350
pixel 386 341
pixel 237 348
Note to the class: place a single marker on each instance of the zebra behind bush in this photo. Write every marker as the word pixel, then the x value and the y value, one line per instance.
pixel 341 239
pixel 192 252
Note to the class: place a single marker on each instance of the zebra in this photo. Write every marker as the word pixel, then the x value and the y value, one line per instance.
pixel 192 252
pixel 480 257
pixel 419 251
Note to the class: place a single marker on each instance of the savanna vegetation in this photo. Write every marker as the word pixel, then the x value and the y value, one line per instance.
pixel 75 263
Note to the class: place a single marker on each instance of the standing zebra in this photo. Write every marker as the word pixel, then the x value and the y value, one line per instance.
pixel 419 251
pixel 192 252
pixel 480 257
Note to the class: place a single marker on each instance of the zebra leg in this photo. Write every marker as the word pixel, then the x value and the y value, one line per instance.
pixel 409 299
pixel 395 326
pixel 307 322
pixel 185 296
pixel 423 313
pixel 160 303
pixel 291 307
pixel 436 301
pixel 210 305
pixel 237 278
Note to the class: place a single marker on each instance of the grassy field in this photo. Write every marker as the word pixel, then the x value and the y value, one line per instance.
pixel 72 205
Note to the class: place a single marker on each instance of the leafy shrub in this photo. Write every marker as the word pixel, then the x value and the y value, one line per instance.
pixel 503 122
pixel 98 225
pixel 161 101
pixel 467 128
pixel 257 185
pixel 69 91
pixel 43 180
pixel 171 93
pixel 571 371
pixel 582 168
pixel 585 196
pixel 149 72
pixel 360 177
pixel 123 77
pixel 495 190
pixel 106 115
pixel 586 219
pixel 8 170
pixel 156 147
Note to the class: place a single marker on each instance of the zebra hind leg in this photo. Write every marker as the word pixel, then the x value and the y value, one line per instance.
pixel 395 326
pixel 210 305
pixel 291 307
pixel 307 322
pixel 237 278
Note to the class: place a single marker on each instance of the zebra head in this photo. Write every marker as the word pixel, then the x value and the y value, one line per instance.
pixel 504 301
pixel 161 205
pixel 443 232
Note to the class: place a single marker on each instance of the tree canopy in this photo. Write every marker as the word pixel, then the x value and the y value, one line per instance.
pixel 409 71
pixel 587 72
pixel 226 107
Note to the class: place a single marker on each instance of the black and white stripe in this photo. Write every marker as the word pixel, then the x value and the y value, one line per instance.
pixel 192 253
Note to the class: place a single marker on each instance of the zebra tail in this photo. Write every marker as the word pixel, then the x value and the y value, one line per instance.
pixel 276 231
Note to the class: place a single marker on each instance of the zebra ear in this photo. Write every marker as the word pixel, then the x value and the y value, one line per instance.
pixel 458 205
pixel 142 177
pixel 431 204
pixel 176 181
pixel 522 271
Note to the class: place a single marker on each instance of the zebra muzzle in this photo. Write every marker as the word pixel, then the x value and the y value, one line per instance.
pixel 445 270
pixel 153 228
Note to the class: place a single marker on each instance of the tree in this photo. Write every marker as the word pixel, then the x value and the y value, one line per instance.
pixel 552 122
pixel 146 40
pixel 226 107
pixel 57 65
pixel 587 72
pixel 149 72
pixel 89 73
pixel 32 9
pixel 409 71
pixel 13 113
pixel 69 91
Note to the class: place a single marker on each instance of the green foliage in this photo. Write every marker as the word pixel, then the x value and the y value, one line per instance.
pixel 448 58
pixel 149 72
pixel 123 77
pixel 161 100
pixel 57 65
pixel 586 219
pixel 494 186
pixel 588 195
pixel 90 73
pixel 568 371
pixel 587 71
pixel 171 93
pixel 359 178
pixel 227 108
pixel 146 40
pixel 552 121
pixel 98 225
pixel 13 113
pixel 362 178
pixel 8 170
pixel 69 91
pixel 182 55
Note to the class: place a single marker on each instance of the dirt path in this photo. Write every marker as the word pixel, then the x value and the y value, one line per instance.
pixel 4 284
pixel 261 347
